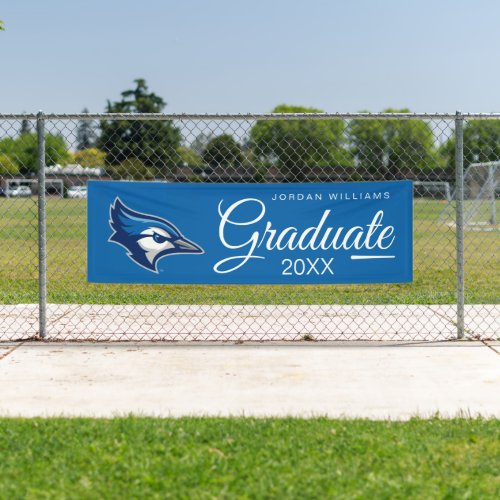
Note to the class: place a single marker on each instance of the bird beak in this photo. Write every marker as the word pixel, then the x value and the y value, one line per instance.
pixel 186 245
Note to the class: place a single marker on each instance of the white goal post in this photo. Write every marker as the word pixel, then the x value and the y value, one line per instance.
pixel 486 176
pixel 481 190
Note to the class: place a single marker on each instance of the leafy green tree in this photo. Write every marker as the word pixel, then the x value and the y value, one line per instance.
pixel 86 134
pixel 25 127
pixel 7 165
pixel 153 143
pixel 223 151
pixel 294 145
pixel 389 147
pixel 411 146
pixel 131 169
pixel 200 142
pixel 189 157
pixel 2 26
pixel 481 143
pixel 23 150
pixel 91 157
pixel 369 143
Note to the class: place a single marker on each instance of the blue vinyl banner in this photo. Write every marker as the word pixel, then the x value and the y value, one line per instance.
pixel 155 232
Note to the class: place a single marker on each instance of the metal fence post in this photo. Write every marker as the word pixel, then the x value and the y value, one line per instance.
pixel 42 228
pixel 459 200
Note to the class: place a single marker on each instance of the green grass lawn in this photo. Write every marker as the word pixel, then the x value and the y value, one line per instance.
pixel 249 458
pixel 434 267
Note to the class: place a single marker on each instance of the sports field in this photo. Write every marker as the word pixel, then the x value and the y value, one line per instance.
pixel 249 458
pixel 434 266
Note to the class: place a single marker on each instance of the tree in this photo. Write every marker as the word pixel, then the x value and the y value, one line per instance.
pixel 153 143
pixel 223 151
pixel 296 145
pixel 7 165
pixel 91 157
pixel 131 169
pixel 86 134
pixel 189 157
pixel 389 147
pixel 481 143
pixel 25 127
pixel 2 26
pixel 200 142
pixel 369 143
pixel 23 150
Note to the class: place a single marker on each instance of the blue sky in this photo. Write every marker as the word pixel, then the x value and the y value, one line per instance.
pixel 249 56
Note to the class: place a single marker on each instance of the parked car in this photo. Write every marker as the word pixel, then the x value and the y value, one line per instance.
pixel 19 191
pixel 77 192
pixel 2 192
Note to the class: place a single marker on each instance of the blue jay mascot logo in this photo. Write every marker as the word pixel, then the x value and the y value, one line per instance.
pixel 146 238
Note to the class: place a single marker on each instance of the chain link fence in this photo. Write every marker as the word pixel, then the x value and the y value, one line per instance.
pixel 46 161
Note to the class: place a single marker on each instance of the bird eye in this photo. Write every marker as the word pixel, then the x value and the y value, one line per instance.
pixel 158 238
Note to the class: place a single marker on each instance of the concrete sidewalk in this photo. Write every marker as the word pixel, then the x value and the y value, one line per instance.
pixel 394 381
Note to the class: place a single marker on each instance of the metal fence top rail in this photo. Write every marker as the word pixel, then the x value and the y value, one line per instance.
pixel 253 116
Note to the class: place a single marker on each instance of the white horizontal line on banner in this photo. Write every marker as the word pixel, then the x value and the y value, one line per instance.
pixel 363 257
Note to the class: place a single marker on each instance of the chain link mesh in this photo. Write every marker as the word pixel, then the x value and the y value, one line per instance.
pixel 245 149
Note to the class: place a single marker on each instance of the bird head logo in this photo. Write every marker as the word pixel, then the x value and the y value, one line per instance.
pixel 146 238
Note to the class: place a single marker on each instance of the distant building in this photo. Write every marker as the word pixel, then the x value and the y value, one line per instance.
pixel 76 175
